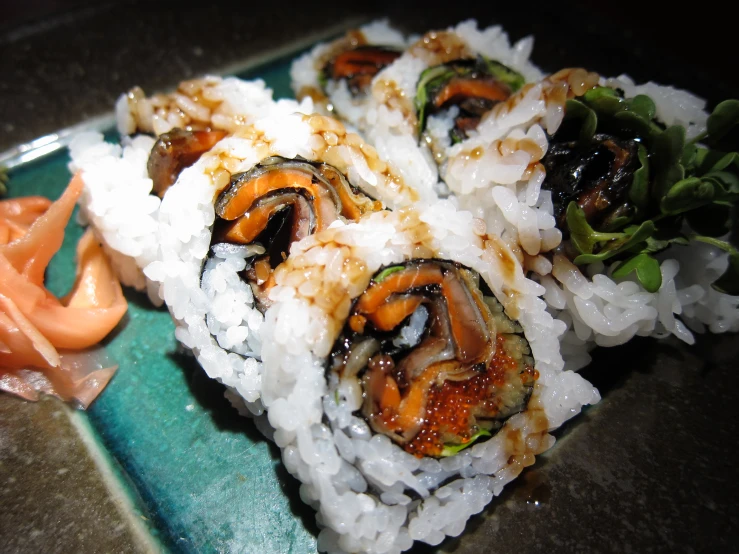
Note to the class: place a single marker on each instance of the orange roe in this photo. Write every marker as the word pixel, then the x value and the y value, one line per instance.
pixel 450 407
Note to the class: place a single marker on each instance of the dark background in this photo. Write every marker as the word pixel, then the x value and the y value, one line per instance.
pixel 62 61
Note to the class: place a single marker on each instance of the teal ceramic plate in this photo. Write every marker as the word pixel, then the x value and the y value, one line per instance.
pixel 202 478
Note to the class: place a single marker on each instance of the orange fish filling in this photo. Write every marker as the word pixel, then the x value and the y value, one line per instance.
pixel 430 396
pixel 314 195
pixel 460 88
pixel 359 66
pixel 401 281
pixel 248 193
pixel 247 228
pixel 386 313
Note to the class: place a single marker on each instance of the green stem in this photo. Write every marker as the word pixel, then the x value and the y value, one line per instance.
pixel 723 245
pixel 698 138
pixel 657 217
pixel 602 237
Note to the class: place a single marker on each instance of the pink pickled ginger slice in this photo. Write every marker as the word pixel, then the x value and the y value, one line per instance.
pixel 47 344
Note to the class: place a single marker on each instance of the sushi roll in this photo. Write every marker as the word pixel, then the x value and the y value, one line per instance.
pixel 337 75
pixel 410 371
pixel 580 170
pixel 646 247
pixel 497 170
pixel 161 135
pixel 231 219
pixel 436 92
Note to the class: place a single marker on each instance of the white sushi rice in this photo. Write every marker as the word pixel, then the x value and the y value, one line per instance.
pixel 213 308
pixel 372 496
pixel 211 101
pixel 117 202
pixel 600 311
pixel 401 150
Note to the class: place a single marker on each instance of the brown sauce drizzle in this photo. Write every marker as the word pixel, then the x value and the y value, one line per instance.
pixel 522 448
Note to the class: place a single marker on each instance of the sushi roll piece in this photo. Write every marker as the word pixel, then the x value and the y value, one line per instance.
pixel 337 75
pixel 646 247
pixel 606 190
pixel 161 135
pixel 411 370
pixel 497 170
pixel 436 92
pixel 231 219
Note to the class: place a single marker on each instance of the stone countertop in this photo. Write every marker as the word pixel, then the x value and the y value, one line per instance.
pixel 649 469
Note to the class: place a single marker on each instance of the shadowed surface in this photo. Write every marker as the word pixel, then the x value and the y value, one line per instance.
pixel 51 496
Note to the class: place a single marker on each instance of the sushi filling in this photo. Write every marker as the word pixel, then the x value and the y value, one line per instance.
pixel 469 86
pixel 279 202
pixel 175 151
pixel 597 176
pixel 440 364
pixel 357 67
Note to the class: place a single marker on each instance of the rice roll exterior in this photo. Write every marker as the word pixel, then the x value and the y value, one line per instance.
pixel 229 221
pixel 411 371
pixel 125 182
pixel 337 75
